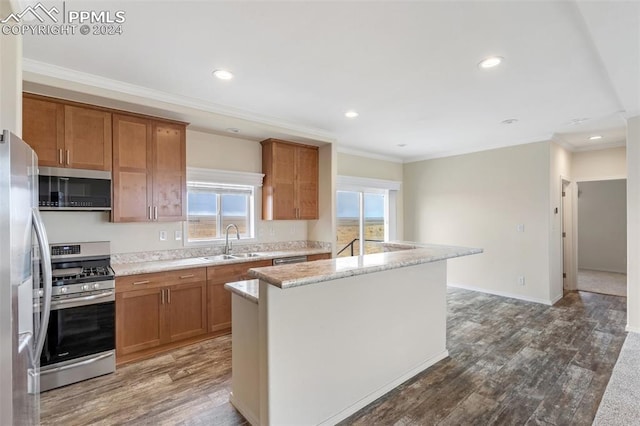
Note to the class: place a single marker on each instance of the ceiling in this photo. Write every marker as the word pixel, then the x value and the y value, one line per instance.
pixel 409 68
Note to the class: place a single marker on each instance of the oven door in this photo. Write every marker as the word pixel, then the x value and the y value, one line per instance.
pixel 79 327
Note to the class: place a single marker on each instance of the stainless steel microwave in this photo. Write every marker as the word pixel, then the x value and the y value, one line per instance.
pixel 74 189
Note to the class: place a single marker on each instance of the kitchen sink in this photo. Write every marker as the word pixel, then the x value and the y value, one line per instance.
pixel 245 255
pixel 220 257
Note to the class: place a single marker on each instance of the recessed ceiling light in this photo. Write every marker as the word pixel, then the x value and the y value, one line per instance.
pixel 491 62
pixel 351 114
pixel 509 121
pixel 223 74
pixel 401 145
pixel 595 138
pixel 232 130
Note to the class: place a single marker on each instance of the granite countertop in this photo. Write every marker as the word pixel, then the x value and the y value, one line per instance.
pixel 248 289
pixel 122 269
pixel 287 276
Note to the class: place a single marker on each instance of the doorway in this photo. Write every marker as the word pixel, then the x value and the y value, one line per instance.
pixel 361 222
pixel 602 236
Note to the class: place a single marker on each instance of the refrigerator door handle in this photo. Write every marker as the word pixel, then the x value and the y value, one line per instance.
pixel 47 280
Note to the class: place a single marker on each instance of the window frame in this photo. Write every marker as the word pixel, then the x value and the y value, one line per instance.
pixel 389 189
pixel 220 182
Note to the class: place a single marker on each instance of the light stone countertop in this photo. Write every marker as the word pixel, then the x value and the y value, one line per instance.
pixel 249 289
pixel 123 269
pixel 288 276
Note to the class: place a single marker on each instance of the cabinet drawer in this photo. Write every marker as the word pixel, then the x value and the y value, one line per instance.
pixel 160 279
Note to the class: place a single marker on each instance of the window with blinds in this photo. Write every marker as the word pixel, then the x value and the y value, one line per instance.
pixel 212 207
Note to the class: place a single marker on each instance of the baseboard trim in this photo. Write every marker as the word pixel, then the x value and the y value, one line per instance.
pixel 246 413
pixel 383 390
pixel 632 329
pixel 505 294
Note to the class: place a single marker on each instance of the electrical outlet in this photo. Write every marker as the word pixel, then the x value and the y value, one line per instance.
pixel 521 280
pixel 163 235
pixel 177 235
pixel 520 227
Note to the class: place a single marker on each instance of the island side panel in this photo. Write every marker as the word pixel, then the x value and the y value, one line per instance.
pixel 330 348
pixel 245 393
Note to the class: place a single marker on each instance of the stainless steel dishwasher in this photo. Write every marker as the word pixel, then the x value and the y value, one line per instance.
pixel 289 260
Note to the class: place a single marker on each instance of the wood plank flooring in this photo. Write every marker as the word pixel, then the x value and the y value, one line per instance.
pixel 511 363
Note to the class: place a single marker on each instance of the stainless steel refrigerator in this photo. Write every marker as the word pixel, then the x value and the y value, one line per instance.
pixel 25 270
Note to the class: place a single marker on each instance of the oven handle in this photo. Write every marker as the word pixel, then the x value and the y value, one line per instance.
pixel 77 364
pixel 47 281
pixel 81 299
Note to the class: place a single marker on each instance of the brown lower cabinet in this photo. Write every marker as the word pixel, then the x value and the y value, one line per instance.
pixel 158 310
pixel 219 298
pixel 164 310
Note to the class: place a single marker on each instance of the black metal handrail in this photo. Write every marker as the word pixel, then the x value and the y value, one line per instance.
pixel 353 242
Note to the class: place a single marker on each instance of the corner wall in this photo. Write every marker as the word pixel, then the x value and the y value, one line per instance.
pixel 478 200
pixel 633 224
pixel 324 229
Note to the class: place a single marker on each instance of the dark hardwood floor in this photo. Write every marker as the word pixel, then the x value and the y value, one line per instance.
pixel 510 362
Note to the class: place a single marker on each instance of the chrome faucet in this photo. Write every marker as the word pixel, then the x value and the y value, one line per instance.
pixel 227 244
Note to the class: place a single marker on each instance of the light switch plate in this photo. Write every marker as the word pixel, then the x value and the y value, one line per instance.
pixel 520 227
pixel 177 235
pixel 163 235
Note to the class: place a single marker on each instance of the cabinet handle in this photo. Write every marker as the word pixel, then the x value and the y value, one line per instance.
pixel 186 276
pixel 150 213
pixel 162 296
pixel 141 282
pixel 60 156
pixel 169 296
pixel 155 212
pixel 68 158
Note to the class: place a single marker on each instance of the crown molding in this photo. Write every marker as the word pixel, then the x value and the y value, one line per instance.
pixel 453 153
pixel 365 154
pixel 32 69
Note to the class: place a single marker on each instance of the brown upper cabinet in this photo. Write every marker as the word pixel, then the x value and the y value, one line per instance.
pixel 290 189
pixel 149 170
pixel 67 135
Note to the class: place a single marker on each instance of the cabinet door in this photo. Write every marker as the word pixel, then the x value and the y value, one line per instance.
pixel 132 180
pixel 140 317
pixel 187 306
pixel 306 183
pixel 219 306
pixel 43 130
pixel 87 138
pixel 169 172
pixel 284 157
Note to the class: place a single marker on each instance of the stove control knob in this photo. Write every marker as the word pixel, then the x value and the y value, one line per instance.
pixel 85 287
pixel 63 290
pixel 96 286
pixel 40 292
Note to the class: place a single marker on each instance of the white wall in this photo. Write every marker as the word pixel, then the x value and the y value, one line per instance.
pixel 478 200
pixel 203 150
pixel 560 168
pixel 11 119
pixel 602 225
pixel 633 224
pixel 353 165
pixel 599 164
pixel 324 229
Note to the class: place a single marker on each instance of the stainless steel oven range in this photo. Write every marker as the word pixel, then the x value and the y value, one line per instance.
pixel 80 339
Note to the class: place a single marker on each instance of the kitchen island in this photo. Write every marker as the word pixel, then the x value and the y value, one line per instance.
pixel 315 342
